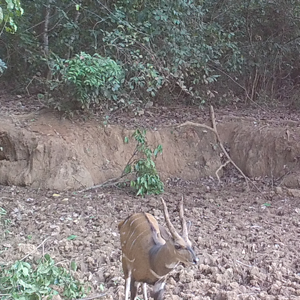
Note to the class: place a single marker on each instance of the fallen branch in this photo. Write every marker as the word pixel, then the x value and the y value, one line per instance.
pixel 220 168
pixel 213 120
pixel 114 181
pixel 109 182
pixel 215 131
pixel 93 297
pixel 42 244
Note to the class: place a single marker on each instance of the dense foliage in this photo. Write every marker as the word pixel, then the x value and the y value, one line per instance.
pixel 200 51
pixel 26 281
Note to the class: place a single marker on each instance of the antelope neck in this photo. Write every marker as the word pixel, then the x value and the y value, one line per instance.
pixel 162 259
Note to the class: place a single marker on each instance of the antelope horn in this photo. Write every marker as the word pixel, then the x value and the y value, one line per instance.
pixel 185 233
pixel 172 229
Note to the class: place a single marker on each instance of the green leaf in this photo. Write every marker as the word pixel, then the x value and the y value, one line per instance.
pixel 127 169
pixel 1 15
pixel 73 265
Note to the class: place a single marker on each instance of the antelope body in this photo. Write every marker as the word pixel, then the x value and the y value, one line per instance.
pixel 149 253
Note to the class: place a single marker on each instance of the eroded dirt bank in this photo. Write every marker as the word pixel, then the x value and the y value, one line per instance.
pixel 54 153
pixel 42 150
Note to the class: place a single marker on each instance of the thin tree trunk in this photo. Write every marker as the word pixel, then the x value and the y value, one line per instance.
pixel 73 36
pixel 46 28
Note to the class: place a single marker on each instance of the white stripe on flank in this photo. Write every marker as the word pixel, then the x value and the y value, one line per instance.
pixel 142 233
pixel 135 219
pixel 131 260
pixel 136 227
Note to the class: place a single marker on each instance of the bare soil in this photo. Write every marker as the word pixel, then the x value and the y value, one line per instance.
pixel 247 242
pixel 246 237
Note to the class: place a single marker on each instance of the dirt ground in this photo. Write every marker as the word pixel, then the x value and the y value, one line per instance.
pixel 247 241
pixel 247 238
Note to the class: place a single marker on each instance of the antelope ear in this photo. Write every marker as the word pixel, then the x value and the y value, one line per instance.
pixel 164 233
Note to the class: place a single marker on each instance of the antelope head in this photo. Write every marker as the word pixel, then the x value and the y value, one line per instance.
pixel 149 252
pixel 180 244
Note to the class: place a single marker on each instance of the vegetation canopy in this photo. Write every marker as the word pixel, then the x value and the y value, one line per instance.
pixel 125 53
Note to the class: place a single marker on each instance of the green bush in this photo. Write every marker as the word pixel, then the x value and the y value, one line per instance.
pixel 146 180
pixel 89 79
pixel 22 281
pixel 9 10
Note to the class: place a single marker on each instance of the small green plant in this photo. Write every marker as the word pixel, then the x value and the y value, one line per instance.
pixel 9 10
pixel 22 281
pixel 71 237
pixel 6 222
pixel 2 212
pixel 146 180
pixel 89 78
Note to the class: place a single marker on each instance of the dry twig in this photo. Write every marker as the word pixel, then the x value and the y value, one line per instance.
pixel 93 297
pixel 41 244
pixel 215 131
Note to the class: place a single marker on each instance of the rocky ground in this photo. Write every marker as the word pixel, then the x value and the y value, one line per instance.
pixel 247 240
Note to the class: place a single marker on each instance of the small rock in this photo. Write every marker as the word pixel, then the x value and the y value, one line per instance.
pixel 186 276
pixel 234 285
pixel 208 196
pixel 278 190
pixel 152 203
pixel 156 213
pixel 294 193
pixel 219 278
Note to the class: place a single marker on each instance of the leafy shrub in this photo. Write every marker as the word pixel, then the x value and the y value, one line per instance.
pixel 174 41
pixel 195 49
pixel 146 180
pixel 8 11
pixel 89 79
pixel 23 282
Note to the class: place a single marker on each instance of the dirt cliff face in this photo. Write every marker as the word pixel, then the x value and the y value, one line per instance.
pixel 59 154
pixel 39 148
pixel 44 151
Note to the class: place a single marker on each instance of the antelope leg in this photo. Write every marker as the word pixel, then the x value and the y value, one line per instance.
pixel 159 289
pixel 145 291
pixel 127 286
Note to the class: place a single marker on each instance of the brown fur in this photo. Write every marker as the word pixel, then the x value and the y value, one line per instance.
pixel 146 256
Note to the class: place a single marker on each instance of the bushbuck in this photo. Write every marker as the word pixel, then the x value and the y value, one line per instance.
pixel 149 253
